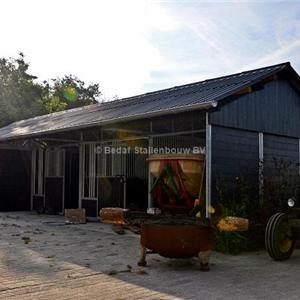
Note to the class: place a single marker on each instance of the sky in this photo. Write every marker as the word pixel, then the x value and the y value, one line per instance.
pixel 131 47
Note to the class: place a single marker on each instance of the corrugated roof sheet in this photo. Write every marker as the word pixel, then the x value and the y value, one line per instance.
pixel 184 97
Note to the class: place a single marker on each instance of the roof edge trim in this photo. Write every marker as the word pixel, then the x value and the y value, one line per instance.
pixel 212 104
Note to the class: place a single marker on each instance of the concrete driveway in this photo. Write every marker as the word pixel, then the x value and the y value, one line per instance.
pixel 41 258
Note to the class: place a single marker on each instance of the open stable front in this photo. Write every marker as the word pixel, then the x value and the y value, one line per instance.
pixel 110 163
pixel 114 169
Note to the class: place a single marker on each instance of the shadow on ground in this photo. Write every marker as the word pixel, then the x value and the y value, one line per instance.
pixel 39 254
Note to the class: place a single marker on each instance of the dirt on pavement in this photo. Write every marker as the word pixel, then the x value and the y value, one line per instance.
pixel 42 258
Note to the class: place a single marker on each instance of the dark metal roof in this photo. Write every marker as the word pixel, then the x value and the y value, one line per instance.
pixel 203 94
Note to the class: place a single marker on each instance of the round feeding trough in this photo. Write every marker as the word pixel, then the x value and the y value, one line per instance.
pixel 177 241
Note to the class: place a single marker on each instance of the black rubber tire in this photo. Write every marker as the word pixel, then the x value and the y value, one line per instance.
pixel 275 222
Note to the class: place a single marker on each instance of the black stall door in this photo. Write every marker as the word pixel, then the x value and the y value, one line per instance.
pixel 54 195
pixel 15 169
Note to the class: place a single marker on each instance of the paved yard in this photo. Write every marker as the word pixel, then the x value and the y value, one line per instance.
pixel 40 258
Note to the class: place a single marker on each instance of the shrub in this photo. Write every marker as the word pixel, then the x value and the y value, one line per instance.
pixel 240 199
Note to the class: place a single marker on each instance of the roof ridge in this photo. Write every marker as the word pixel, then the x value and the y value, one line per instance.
pixel 188 85
pixel 196 83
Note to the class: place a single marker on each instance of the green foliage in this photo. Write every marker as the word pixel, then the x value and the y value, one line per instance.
pixel 69 92
pixel 255 237
pixel 22 96
pixel 19 93
pixel 230 242
pixel 240 198
pixel 285 183
pixel 53 104
pixel 237 242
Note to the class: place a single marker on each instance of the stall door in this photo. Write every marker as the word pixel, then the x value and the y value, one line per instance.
pixel 54 181
pixel 53 195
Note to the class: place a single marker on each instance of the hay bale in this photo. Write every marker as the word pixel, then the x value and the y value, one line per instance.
pixel 230 224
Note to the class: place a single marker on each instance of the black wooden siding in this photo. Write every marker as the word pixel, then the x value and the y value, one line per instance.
pixel 235 153
pixel 274 109
pixel 281 155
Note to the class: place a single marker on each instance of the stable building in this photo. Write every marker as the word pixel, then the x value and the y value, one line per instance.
pixel 96 156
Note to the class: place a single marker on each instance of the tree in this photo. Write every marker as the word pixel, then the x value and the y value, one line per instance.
pixel 22 96
pixel 69 92
pixel 19 93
